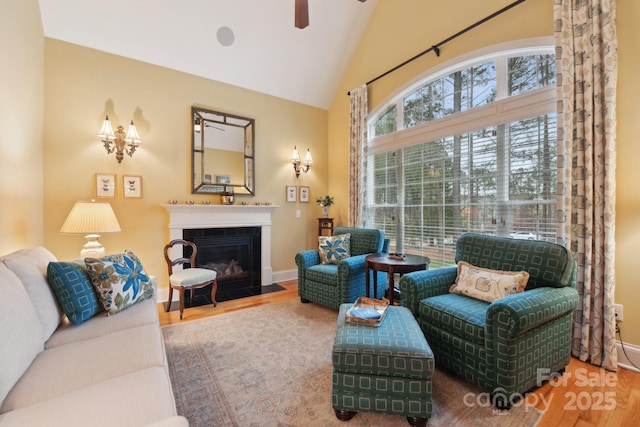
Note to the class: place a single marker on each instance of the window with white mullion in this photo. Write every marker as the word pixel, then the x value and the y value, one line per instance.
pixel 475 151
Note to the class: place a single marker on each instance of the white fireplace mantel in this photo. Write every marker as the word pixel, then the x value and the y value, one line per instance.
pixel 183 217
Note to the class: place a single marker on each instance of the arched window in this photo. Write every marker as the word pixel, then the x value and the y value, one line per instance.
pixel 470 147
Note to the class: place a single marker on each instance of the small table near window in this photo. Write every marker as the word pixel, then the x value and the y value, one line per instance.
pixel 325 224
pixel 382 262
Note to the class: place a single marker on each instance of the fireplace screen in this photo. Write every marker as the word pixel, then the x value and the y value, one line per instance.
pixel 234 253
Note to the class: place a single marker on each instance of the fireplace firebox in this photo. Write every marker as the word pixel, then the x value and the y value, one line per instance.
pixel 234 253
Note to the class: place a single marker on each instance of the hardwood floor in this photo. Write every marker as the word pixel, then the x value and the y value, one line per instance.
pixel 585 396
pixel 195 313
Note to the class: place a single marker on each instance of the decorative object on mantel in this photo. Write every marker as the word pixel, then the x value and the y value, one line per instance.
pixel 119 142
pixel 91 218
pixel 325 202
pixel 227 197
pixel 297 165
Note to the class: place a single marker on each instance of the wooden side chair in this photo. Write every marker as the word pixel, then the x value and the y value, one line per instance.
pixel 188 278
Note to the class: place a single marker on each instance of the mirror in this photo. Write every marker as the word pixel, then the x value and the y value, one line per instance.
pixel 222 153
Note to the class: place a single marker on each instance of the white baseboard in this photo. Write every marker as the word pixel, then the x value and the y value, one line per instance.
pixel 279 276
pixel 285 275
pixel 163 295
pixel 633 353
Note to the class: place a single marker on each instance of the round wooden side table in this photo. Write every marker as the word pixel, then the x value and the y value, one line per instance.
pixel 382 262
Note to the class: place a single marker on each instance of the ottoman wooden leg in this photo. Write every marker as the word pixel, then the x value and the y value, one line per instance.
pixel 343 415
pixel 417 421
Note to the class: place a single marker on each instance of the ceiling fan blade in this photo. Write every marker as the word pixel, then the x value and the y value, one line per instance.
pixel 302 13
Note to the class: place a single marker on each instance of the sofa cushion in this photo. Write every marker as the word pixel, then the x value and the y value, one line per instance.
pixel 20 331
pixel 120 281
pixel 72 285
pixel 460 315
pixel 30 265
pixel 334 249
pixel 486 284
pixel 145 313
pixel 134 399
pixel 80 364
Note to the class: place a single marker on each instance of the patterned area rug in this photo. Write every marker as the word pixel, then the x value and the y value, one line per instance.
pixel 271 366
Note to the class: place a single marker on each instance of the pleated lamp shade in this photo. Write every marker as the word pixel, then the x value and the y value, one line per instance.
pixel 91 219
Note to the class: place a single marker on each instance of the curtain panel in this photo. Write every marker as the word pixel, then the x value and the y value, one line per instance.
pixel 586 62
pixel 357 155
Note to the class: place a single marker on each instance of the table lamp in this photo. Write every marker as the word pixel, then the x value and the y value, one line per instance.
pixel 91 219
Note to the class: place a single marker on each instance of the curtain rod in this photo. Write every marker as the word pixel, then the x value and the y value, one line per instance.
pixel 436 47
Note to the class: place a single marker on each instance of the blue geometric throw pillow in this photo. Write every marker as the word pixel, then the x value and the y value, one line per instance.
pixel 74 290
pixel 120 281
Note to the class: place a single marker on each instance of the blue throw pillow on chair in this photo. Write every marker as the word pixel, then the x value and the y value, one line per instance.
pixel 74 290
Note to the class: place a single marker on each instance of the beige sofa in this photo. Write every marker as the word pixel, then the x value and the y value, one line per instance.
pixel 107 371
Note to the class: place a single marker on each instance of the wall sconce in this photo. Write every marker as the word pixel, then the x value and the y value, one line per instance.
pixel 119 142
pixel 304 166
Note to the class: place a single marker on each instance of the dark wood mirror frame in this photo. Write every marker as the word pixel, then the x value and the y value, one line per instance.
pixel 222 153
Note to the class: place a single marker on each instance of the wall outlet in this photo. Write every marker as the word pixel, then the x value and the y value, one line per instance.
pixel 619 312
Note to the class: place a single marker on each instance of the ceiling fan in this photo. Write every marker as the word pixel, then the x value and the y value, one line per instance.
pixel 302 13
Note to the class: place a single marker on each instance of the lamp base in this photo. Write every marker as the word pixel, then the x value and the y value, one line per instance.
pixel 93 248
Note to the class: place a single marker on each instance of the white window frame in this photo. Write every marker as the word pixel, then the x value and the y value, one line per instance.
pixel 505 109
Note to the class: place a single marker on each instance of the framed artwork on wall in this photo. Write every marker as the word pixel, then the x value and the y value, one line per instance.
pixel 223 179
pixel 105 185
pixel 304 194
pixel 292 193
pixel 132 186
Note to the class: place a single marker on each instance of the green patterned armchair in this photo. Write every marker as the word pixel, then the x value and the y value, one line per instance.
pixel 508 346
pixel 334 284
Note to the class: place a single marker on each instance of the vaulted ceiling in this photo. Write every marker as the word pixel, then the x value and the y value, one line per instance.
pixel 248 43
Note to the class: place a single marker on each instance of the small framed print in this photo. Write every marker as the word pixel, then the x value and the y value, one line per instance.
pixel 292 193
pixel 223 179
pixel 304 194
pixel 105 185
pixel 131 186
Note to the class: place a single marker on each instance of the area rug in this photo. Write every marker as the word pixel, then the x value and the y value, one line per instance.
pixel 271 366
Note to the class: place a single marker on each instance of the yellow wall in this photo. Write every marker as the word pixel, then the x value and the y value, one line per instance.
pixel 396 33
pixel 628 172
pixel 21 114
pixel 82 85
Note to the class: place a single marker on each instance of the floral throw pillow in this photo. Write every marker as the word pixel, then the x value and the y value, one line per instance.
pixel 334 249
pixel 120 281
pixel 486 284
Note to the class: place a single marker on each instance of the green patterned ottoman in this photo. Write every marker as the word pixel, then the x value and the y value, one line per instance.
pixel 384 369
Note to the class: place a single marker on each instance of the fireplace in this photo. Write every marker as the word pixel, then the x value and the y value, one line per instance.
pixel 186 218
pixel 234 253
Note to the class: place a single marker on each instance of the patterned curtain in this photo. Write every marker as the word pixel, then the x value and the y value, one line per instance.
pixel 357 155
pixel 586 55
